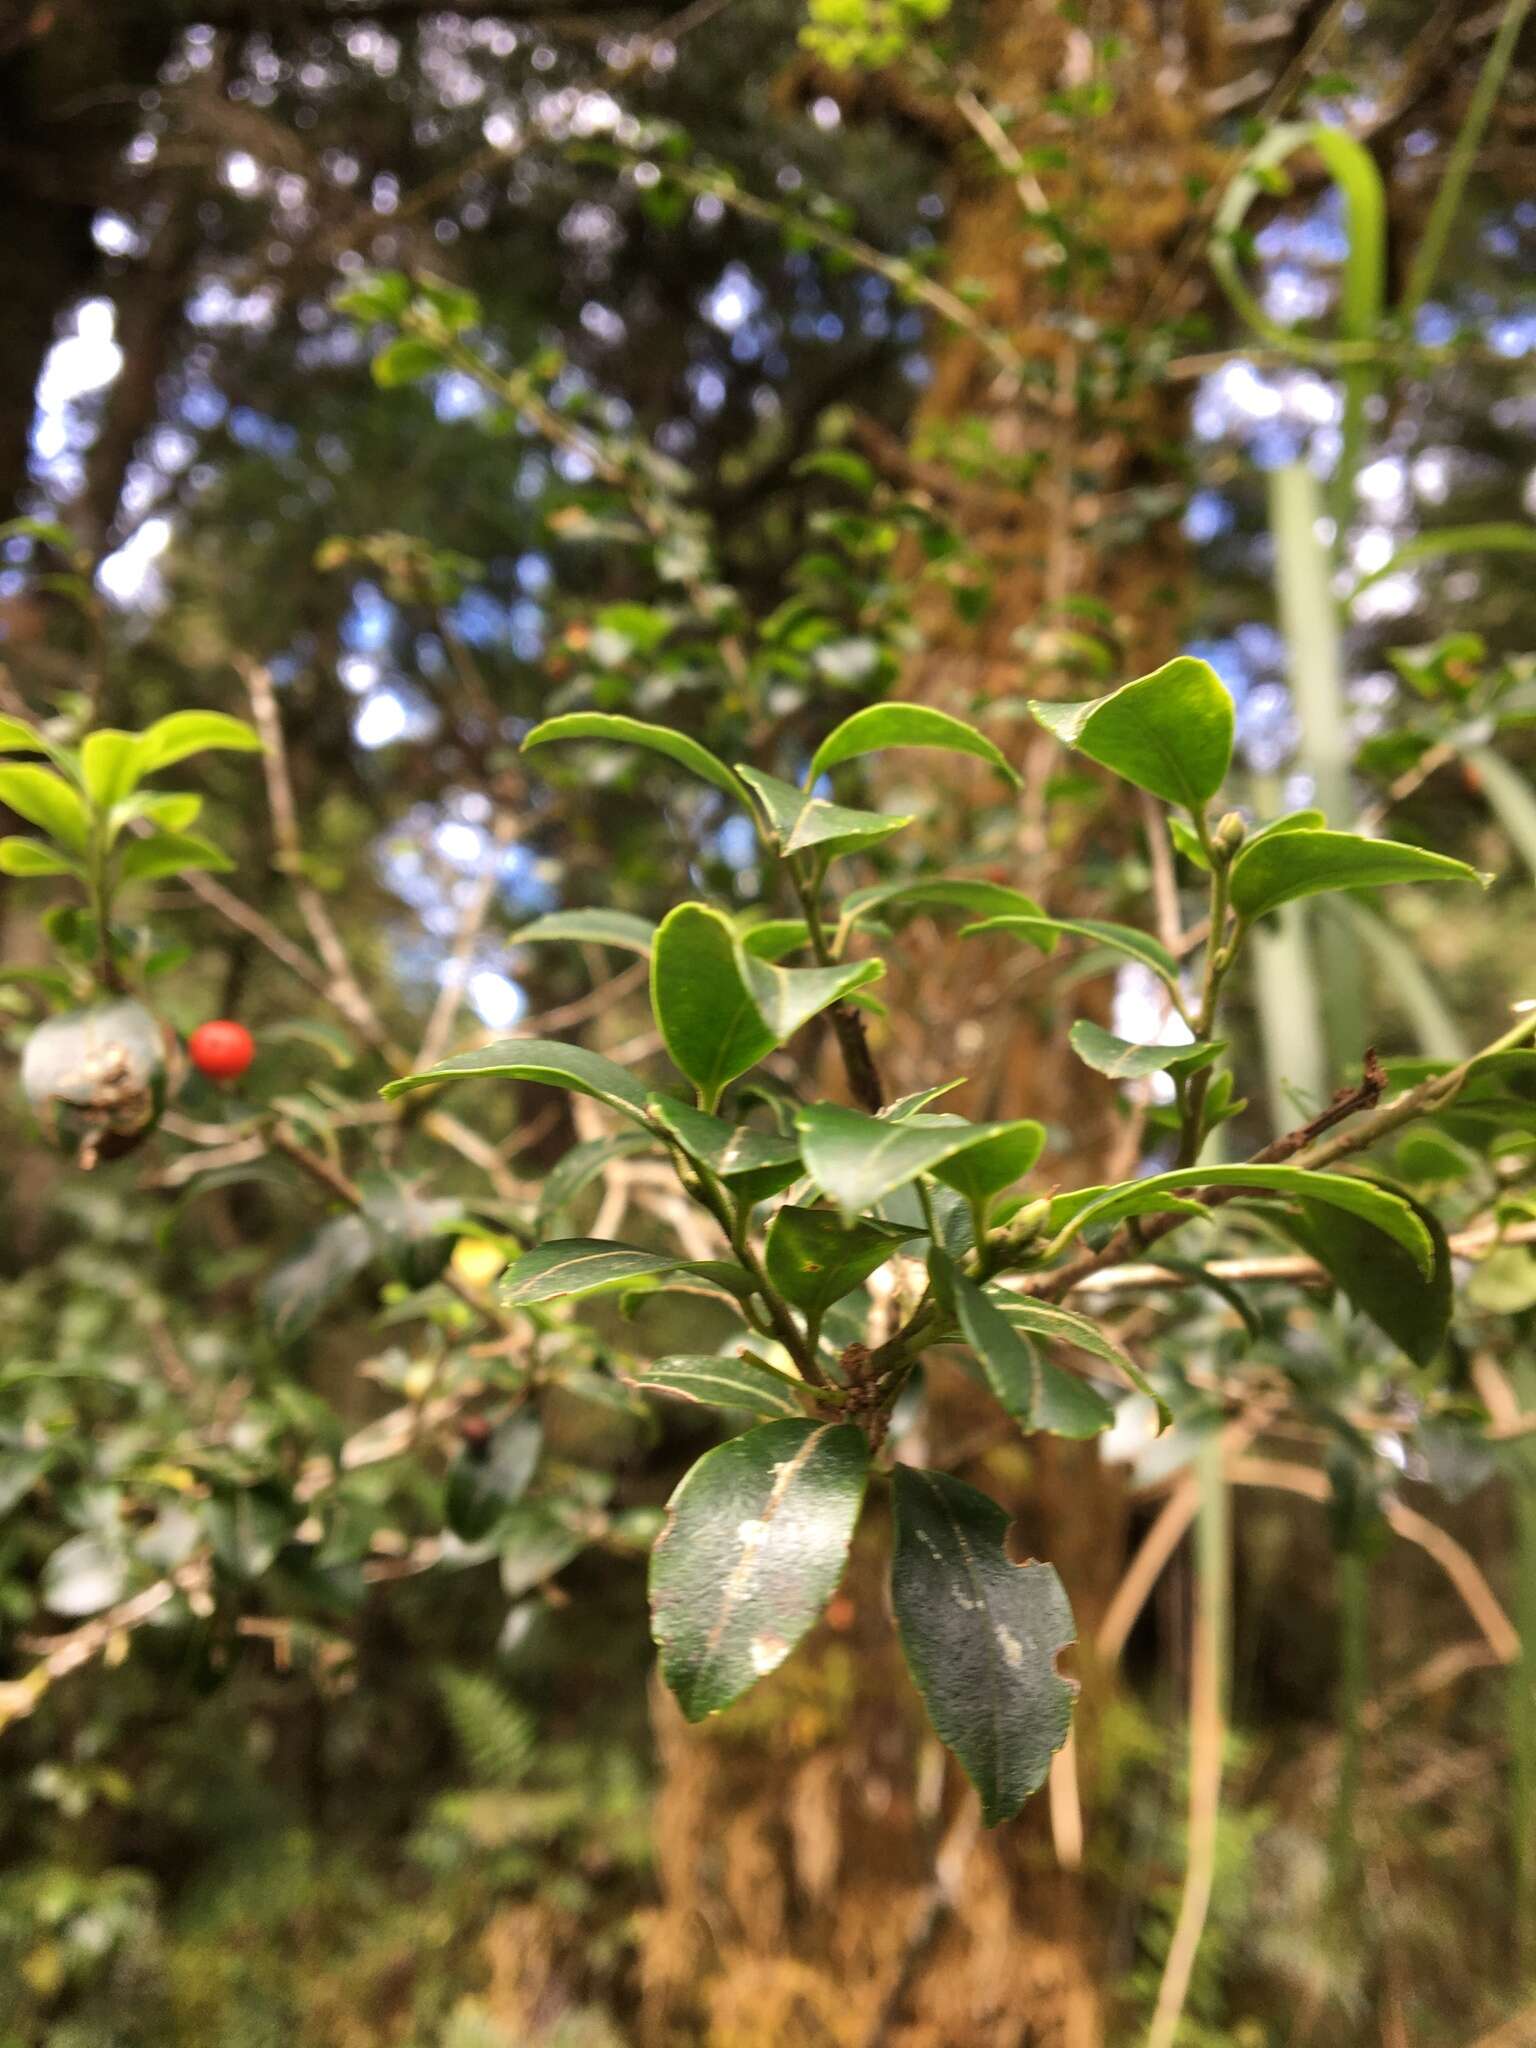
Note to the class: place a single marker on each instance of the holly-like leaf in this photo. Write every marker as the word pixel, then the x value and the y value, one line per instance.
pixel 571 1267
pixel 548 1060
pixel 634 732
pixel 1279 867
pixel 753 1164
pixel 813 1260
pixel 883 726
pixel 756 1539
pixel 796 821
pixel 1037 1394
pixel 1169 733
pixel 589 928
pixel 857 1159
pixel 723 1382
pixel 981 1636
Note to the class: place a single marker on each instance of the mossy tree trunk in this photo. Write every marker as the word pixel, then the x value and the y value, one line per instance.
pixel 823 1878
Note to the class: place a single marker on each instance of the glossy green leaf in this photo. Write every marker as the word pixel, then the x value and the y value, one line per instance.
pixel 109 766
pixel 571 1267
pixel 797 822
pixel 1387 1211
pixel 1037 1394
pixel 753 1164
pixel 1279 868
pixel 634 732
pixel 755 1542
pixel 981 1636
pixel 33 857
pixel 578 1168
pixel 17 737
pixel 985 1168
pixel 940 892
pixel 721 1382
pixel 1169 732
pixel 44 798
pixel 535 1059
pixel 856 1160
pixel 1122 1060
pixel 173 738
pixel 709 1020
pixel 774 937
pixel 813 1260
pixel 171 853
pixel 883 726
pixel 1056 1325
pixel 589 928
pixel 1045 932
pixel 787 997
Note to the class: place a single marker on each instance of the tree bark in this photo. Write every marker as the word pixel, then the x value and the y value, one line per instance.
pixel 824 1880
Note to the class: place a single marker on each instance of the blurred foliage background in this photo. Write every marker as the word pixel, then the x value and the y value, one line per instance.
pixel 904 316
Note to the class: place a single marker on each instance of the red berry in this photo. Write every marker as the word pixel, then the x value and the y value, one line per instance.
pixel 222 1050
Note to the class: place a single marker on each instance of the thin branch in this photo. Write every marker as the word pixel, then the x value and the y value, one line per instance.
pixel 476 909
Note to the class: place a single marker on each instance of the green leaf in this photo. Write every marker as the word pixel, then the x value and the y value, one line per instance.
pixel 1187 841
pixel 787 997
pixel 1387 1211
pixel 108 766
pixel 44 798
pixel 722 1382
pixel 774 937
pixel 1169 733
pixel 708 1019
pixel 1037 1394
pixel 1383 1280
pixel 857 1159
pixel 1498 536
pixel 981 1636
pixel 634 732
pixel 1280 867
pixel 17 737
pixel 756 1539
pixel 535 1059
pixel 1044 932
pixel 1119 1058
pixel 571 1267
pixel 589 928
pixel 486 1479
pixel 1065 1326
pixel 949 892
pixel 882 726
pixel 31 857
pixel 797 821
pixel 579 1167
pixel 171 853
pixel 169 810
pixel 405 362
pixel 753 1164
pixel 172 739
pixel 984 1169
pixel 535 1540
pixel 813 1261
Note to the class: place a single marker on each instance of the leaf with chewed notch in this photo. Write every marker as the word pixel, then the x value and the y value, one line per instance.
pixel 981 1635
pixel 756 1539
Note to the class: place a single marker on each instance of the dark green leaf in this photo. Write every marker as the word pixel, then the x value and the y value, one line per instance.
pixel 985 1168
pixel 1169 732
pixel 797 821
pixel 857 1159
pixel 981 1636
pixel 1383 1280
pixel 1037 1394
pixel 722 1382
pixel 756 1539
pixel 814 1261
pixel 707 1016
pixel 1044 932
pixel 754 1164
pixel 485 1479
pixel 574 1266
pixel 989 900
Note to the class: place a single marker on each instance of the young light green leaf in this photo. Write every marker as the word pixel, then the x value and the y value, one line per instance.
pixel 44 798
pixel 1119 1058
pixel 721 1382
pixel 756 1539
pixel 1280 867
pixel 883 726
pixel 17 737
pixel 634 732
pixel 813 1261
pixel 1045 932
pixel 753 1164
pixel 709 1020
pixel 856 1160
pixel 981 1636
pixel 774 937
pixel 34 857
pixel 108 762
pixel 589 928
pixel 571 1267
pixel 168 810
pixel 171 853
pixel 535 1059
pixel 797 821
pixel 172 739
pixel 1037 1394
pixel 1169 733
pixel 1387 1211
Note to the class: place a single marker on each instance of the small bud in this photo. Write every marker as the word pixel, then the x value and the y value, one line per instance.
pixel 1231 833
